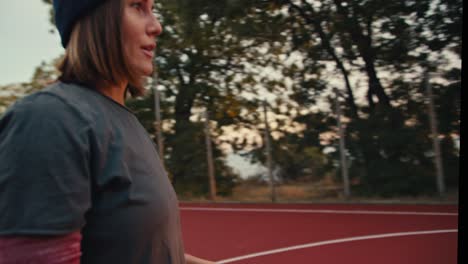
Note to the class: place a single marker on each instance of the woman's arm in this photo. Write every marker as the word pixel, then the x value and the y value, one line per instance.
pixel 194 260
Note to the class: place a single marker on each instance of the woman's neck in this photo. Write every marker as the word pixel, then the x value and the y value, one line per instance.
pixel 113 91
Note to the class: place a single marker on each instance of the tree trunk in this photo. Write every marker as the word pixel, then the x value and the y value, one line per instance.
pixel 183 109
pixel 366 51
pixel 313 19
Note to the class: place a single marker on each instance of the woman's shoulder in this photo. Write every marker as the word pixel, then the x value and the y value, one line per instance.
pixel 57 101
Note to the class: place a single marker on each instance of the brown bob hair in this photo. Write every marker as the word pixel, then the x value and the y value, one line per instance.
pixel 94 54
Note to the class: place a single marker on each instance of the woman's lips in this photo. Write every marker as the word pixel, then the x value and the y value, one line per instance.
pixel 148 50
pixel 148 53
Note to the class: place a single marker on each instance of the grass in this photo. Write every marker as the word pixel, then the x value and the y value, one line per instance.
pixel 324 191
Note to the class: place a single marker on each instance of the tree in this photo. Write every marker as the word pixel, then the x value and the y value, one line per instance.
pixel 218 55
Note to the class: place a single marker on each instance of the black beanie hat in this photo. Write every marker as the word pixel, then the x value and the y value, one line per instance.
pixel 67 12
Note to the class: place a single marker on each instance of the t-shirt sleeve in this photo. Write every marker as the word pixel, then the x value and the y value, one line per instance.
pixel 44 168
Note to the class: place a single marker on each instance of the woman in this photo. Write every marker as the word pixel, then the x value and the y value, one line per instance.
pixel 80 180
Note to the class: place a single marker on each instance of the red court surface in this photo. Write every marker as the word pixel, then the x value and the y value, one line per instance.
pixel 299 233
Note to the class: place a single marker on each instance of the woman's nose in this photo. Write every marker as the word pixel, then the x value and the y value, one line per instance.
pixel 154 27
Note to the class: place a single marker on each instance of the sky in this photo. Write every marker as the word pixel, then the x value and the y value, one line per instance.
pixel 25 39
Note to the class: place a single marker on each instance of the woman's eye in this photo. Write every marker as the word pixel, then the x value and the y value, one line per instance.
pixel 137 5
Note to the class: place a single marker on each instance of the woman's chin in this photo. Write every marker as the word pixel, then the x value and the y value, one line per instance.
pixel 146 71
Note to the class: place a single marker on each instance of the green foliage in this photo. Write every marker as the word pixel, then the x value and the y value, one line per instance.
pixel 391 155
pixel 212 53
pixel 192 177
pixel 202 65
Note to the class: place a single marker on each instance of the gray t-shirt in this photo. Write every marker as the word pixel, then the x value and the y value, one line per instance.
pixel 73 159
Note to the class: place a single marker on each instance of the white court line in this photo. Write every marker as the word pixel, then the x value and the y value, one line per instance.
pixel 334 241
pixel 262 210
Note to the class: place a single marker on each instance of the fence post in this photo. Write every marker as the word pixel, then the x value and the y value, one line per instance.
pixel 209 156
pixel 157 113
pixel 344 166
pixel 435 136
pixel 268 154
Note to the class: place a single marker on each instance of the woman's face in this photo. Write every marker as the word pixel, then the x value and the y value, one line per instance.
pixel 139 29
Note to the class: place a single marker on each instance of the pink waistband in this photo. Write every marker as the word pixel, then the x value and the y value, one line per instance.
pixel 41 249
